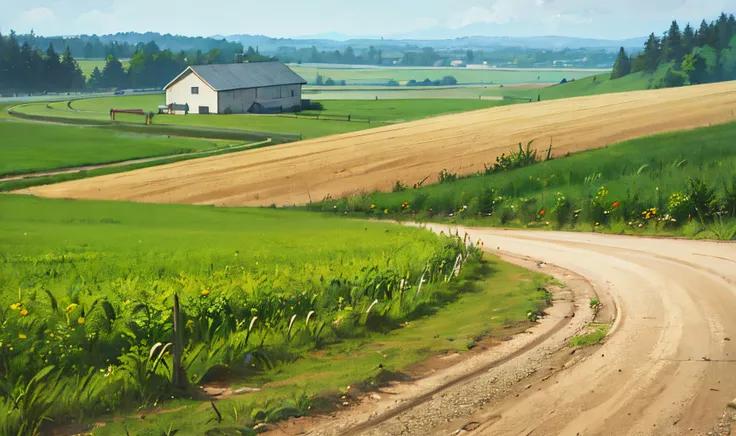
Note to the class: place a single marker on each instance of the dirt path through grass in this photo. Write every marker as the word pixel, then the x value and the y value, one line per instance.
pixel 375 159
pixel 665 369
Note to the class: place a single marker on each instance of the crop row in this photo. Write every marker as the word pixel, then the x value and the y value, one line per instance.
pixel 106 343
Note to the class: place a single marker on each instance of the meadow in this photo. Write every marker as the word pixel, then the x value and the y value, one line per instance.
pixel 381 76
pixel 88 65
pixel 676 183
pixel 593 85
pixel 377 112
pixel 88 288
pixel 28 148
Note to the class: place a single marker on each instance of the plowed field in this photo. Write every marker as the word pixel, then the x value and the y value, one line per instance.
pixel 377 158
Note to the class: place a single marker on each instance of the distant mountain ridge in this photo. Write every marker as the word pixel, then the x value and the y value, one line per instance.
pixel 268 44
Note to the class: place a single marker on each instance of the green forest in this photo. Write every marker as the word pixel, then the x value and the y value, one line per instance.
pixel 25 68
pixel 705 55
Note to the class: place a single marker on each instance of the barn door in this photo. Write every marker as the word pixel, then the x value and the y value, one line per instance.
pixel 204 110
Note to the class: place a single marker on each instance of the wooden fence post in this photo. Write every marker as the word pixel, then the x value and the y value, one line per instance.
pixel 178 380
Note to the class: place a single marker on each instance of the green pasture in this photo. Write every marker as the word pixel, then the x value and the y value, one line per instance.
pixel 676 183
pixel 377 112
pixel 378 76
pixel 291 302
pixel 593 85
pixel 88 65
pixel 32 147
pixel 400 92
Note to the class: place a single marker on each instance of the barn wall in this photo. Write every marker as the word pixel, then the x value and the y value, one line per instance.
pixel 181 93
pixel 238 100
pixel 280 96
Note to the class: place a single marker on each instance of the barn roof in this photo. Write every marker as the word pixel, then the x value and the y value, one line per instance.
pixel 226 77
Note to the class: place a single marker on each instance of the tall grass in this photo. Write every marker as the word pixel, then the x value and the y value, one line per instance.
pixel 659 182
pixel 87 291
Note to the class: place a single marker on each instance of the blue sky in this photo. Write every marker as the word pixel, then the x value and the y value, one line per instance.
pixel 615 19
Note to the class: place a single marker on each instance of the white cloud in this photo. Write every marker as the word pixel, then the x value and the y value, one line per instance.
pixel 38 15
pixel 96 21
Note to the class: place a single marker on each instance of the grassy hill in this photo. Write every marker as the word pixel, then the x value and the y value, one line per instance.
pixel 594 85
pixel 677 183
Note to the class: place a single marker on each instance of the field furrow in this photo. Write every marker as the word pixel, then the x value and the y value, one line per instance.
pixel 376 158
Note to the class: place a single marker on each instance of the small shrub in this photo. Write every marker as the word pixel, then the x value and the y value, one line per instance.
pixel 703 198
pixel 447 177
pixel 399 186
pixel 680 207
pixel 729 199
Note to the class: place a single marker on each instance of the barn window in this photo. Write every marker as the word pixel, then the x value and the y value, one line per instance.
pixel 292 92
pixel 195 90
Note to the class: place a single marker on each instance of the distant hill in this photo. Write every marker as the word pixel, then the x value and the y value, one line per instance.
pixel 271 45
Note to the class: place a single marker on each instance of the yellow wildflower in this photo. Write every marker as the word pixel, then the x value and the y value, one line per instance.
pixel 21 336
pixel 80 320
pixel 205 292
pixel 15 306
pixel 23 312
pixel 71 307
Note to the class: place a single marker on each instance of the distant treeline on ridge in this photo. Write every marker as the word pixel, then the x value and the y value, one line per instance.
pixel 690 56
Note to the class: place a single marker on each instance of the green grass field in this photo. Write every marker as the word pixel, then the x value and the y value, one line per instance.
pixel 378 112
pixel 379 76
pixel 584 86
pixel 677 183
pixel 400 92
pixel 31 147
pixel 88 65
pixel 88 290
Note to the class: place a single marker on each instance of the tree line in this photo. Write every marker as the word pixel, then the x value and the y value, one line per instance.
pixel 691 56
pixel 27 69
pixel 125 45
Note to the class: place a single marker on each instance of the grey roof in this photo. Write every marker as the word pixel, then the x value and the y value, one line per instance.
pixel 225 77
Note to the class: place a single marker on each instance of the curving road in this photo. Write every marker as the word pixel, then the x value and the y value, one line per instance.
pixel 667 368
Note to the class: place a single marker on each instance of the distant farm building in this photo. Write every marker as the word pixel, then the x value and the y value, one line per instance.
pixel 258 87
pixel 457 63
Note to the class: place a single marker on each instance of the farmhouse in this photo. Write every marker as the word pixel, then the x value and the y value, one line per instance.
pixel 259 87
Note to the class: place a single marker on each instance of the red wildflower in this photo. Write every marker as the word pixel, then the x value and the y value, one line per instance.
pixel 542 212
pixel 404 204
pixel 616 204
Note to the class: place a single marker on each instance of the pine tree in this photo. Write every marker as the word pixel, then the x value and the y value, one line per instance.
pixel 672 46
pixel 688 40
pixel 652 51
pixel 52 69
pixel 113 74
pixel 622 66
pixel 71 75
pixel 701 37
pixel 95 79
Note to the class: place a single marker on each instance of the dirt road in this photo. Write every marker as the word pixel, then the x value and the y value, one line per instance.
pixel 377 158
pixel 668 367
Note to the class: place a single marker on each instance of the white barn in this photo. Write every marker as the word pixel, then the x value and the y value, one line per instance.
pixel 236 88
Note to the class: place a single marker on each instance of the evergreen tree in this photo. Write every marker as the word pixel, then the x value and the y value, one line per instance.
pixel 3 64
pixel 52 70
pixel 701 37
pixel 113 74
pixel 12 59
pixel 652 53
pixel 622 66
pixel 95 79
pixel 72 77
pixel 672 45
pixel 688 40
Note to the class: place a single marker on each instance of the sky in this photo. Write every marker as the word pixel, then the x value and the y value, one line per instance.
pixel 617 19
